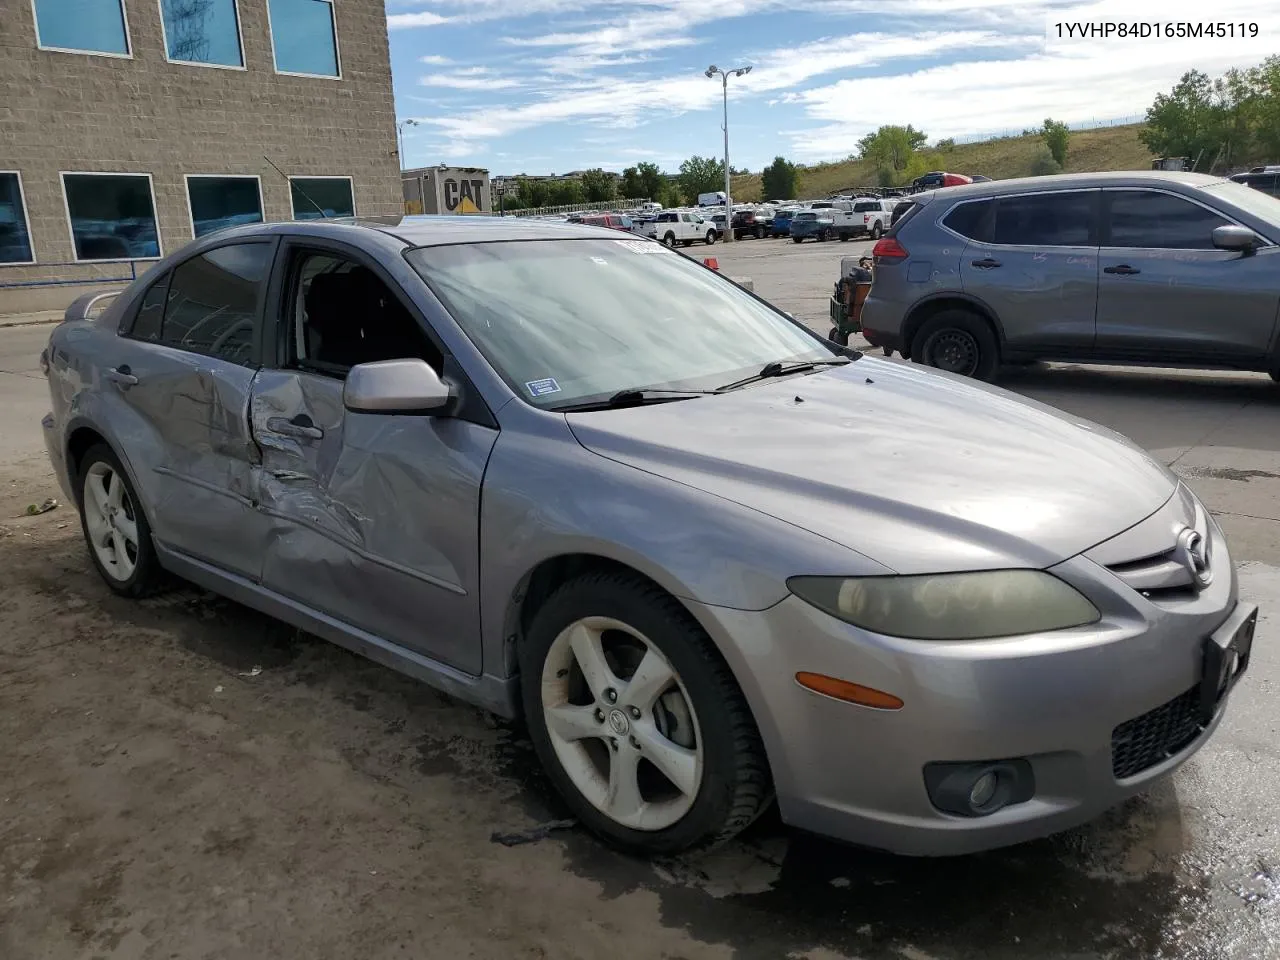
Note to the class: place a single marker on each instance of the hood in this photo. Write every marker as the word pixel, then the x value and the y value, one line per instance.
pixel 920 471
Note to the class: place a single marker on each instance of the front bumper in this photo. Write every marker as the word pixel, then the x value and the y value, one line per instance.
pixel 1054 699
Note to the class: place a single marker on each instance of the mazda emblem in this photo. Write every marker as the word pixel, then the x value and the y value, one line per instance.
pixel 1192 552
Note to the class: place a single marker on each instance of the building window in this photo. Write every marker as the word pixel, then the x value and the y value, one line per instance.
pixel 316 197
pixel 304 37
pixel 112 215
pixel 205 32
pixel 15 238
pixel 216 202
pixel 82 26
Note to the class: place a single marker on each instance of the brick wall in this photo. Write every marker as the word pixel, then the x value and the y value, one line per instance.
pixel 75 112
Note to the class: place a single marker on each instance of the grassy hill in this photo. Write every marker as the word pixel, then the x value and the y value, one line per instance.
pixel 1107 148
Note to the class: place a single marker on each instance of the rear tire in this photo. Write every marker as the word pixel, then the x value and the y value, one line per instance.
pixel 877 231
pixel 959 342
pixel 669 239
pixel 115 526
pixel 672 766
pixel 711 237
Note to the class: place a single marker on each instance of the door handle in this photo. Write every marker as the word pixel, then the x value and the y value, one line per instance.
pixel 986 263
pixel 122 375
pixel 300 427
pixel 1123 269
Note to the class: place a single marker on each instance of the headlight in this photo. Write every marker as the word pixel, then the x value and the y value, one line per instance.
pixel 950 606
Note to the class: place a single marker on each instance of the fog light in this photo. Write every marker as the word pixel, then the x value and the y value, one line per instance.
pixel 978 788
pixel 983 789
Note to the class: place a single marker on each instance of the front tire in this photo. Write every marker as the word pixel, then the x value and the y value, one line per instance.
pixel 959 342
pixel 637 720
pixel 115 527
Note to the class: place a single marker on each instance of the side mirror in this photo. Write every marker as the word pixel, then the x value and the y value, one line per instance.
pixel 1233 237
pixel 396 386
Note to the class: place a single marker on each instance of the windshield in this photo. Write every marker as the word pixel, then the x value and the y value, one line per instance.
pixel 1261 205
pixel 558 319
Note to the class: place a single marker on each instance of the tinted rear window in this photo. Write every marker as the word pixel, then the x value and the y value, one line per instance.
pixel 903 212
pixel 1046 219
pixel 866 206
pixel 972 220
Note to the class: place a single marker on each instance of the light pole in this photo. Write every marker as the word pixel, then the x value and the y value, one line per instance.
pixel 400 137
pixel 500 188
pixel 712 72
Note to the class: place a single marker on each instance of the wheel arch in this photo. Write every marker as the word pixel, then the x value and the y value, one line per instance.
pixel 539 583
pixel 83 435
pixel 935 304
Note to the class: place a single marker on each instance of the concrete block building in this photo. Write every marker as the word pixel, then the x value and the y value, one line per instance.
pixel 128 127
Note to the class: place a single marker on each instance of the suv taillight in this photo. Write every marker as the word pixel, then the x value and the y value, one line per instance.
pixel 889 250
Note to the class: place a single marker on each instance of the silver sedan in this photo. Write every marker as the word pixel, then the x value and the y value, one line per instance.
pixel 710 557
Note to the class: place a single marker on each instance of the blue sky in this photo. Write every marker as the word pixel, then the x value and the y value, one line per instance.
pixel 544 86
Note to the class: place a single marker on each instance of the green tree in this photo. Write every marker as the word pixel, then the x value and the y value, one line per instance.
pixel 1186 122
pixel 891 147
pixel 1044 164
pixel 631 187
pixel 700 175
pixel 669 194
pixel 778 181
pixel 599 186
pixel 651 181
pixel 532 193
pixel 1056 136
pixel 947 144
pixel 563 192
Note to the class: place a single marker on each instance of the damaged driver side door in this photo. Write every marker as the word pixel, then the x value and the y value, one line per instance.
pixel 373 518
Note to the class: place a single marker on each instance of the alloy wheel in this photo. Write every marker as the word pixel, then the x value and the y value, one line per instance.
pixel 111 521
pixel 621 723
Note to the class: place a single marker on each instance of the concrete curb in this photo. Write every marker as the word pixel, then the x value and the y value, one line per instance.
pixel 30 319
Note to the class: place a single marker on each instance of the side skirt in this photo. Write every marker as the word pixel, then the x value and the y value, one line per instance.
pixel 496 694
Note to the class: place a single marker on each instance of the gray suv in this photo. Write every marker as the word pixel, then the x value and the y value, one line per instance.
pixel 1173 269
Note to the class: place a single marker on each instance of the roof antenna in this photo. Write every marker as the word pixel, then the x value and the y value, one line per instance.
pixel 294 186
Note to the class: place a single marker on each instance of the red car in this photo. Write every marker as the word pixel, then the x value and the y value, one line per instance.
pixel 613 221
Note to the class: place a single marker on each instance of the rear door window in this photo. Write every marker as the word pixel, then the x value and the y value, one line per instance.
pixel 971 220
pixel 215 300
pixel 1153 220
pixel 1047 219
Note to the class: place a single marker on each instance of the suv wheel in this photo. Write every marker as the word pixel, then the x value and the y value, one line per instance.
pixel 959 342
pixel 877 231
pixel 637 720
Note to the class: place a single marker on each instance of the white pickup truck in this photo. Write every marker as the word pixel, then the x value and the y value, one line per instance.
pixel 678 226
pixel 857 217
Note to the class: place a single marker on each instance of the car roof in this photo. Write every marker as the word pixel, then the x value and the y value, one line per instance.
pixel 1115 178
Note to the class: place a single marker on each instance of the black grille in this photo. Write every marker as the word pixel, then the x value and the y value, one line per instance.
pixel 1157 735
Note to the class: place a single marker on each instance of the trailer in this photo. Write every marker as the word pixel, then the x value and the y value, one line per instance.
pixel 446 190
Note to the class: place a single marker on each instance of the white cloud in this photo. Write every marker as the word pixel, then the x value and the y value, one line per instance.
pixel 1076 82
pixel 403 21
pixel 434 60
pixel 471 78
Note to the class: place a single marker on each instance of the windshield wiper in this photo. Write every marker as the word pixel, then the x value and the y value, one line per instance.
pixel 633 398
pixel 779 369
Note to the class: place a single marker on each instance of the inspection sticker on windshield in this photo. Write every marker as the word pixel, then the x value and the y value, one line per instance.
pixel 641 246
pixel 540 388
